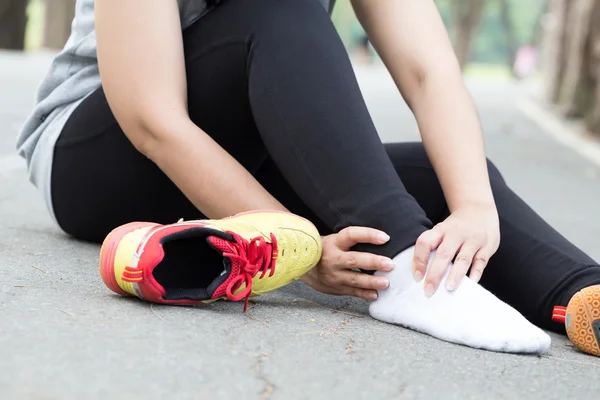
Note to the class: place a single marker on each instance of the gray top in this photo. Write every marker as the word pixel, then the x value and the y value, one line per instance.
pixel 73 76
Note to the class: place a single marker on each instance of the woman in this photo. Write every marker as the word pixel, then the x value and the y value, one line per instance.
pixel 157 110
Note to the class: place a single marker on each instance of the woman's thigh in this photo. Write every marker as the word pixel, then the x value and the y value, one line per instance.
pixel 100 181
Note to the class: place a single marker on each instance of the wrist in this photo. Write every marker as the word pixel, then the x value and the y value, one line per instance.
pixel 481 203
pixel 483 198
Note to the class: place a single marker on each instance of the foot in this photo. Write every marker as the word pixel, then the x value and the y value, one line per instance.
pixel 195 262
pixel 469 315
pixel 582 319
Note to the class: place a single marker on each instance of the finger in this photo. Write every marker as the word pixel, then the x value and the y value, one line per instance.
pixel 462 262
pixel 366 261
pixel 362 293
pixel 353 235
pixel 480 261
pixel 426 243
pixel 344 290
pixel 363 281
pixel 442 259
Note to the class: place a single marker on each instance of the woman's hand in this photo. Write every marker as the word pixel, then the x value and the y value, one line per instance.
pixel 469 236
pixel 336 272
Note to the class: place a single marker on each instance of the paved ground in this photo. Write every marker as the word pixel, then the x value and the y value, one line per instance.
pixel 63 335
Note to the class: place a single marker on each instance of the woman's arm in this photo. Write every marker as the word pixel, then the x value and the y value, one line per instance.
pixel 413 43
pixel 140 54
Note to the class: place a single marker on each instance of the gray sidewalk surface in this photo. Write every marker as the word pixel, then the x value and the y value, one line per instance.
pixel 63 335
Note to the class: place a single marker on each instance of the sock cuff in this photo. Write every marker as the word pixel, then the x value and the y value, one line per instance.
pixel 559 314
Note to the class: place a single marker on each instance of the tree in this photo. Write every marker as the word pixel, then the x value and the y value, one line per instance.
pixel 554 47
pixel 577 81
pixel 593 115
pixel 13 20
pixel 59 16
pixel 466 15
pixel 572 59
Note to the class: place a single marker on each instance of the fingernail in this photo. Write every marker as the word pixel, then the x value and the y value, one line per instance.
pixel 475 276
pixel 429 289
pixel 418 275
pixel 373 296
pixel 383 283
pixel 382 237
pixel 450 285
pixel 387 264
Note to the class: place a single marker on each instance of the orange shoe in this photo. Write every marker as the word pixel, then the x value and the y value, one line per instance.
pixel 202 261
pixel 582 319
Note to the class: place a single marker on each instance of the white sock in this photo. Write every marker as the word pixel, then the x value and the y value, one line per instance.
pixel 470 315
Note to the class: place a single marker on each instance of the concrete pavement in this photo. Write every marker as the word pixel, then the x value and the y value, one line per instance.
pixel 63 335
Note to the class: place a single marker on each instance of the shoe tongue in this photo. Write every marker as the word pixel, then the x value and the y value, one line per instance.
pixel 217 287
pixel 220 245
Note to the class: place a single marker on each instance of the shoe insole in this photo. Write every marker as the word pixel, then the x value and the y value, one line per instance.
pixel 189 266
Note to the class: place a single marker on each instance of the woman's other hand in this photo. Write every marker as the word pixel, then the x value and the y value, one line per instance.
pixel 338 271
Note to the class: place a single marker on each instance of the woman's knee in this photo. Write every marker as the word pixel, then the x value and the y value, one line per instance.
pixel 83 220
pixel 290 21
pixel 288 11
pixel 80 229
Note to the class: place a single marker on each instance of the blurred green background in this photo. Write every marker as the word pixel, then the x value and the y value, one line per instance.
pixel 553 41
pixel 488 51
pixel 35 28
pixel 491 48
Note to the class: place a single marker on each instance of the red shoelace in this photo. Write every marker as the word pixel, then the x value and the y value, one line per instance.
pixel 254 256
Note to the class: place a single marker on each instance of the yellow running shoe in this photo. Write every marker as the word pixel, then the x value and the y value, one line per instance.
pixel 202 261
pixel 582 319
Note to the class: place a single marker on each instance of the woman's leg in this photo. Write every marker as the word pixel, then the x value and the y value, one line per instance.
pixel 535 267
pixel 268 79
pixel 313 121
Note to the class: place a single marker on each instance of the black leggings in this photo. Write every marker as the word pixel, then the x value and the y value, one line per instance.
pixel 271 82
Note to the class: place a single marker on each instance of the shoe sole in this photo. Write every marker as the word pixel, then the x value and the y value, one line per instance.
pixel 583 320
pixel 109 250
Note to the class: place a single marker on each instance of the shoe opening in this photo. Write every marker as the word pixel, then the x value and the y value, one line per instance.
pixel 191 268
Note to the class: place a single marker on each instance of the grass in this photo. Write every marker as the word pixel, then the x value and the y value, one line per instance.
pixel 35 25
pixel 487 71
